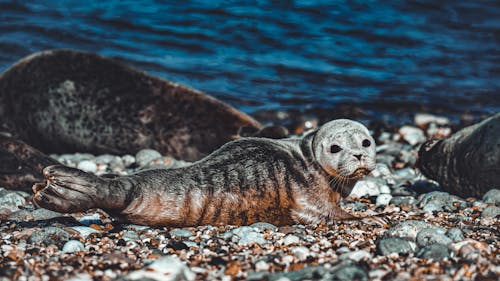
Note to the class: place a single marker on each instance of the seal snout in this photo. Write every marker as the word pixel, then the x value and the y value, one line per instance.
pixel 360 172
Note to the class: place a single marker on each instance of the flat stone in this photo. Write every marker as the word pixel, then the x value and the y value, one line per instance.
pixel 435 252
pixel 181 233
pixel 73 246
pixel 49 236
pixel 492 196
pixel 167 268
pixel 90 219
pixel 491 212
pixel 435 235
pixel 388 246
pixel 84 231
pixel 44 214
pixel 252 237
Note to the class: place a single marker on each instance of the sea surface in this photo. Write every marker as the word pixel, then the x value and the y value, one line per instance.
pixel 380 56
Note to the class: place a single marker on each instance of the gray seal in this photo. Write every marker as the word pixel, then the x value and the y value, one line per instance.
pixel 294 180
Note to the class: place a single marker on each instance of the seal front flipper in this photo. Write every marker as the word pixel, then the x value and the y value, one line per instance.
pixel 71 190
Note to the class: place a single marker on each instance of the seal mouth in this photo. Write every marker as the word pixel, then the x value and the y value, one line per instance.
pixel 360 172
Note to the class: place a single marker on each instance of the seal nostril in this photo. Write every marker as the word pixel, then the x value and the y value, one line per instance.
pixel 358 156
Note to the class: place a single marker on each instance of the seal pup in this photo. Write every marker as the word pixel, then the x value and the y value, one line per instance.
pixel 468 162
pixel 294 180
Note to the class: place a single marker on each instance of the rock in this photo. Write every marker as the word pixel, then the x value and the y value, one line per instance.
pixel 163 269
pixel 356 256
pixel 130 236
pixel 492 196
pixel 49 236
pixel 87 166
pixel 90 219
pixel 423 119
pixel 436 252
pixel 262 266
pixel 252 237
pixel 83 231
pixel 349 272
pixel 403 200
pixel 44 214
pixel 261 226
pixel 11 199
pixel 383 200
pixel 491 212
pixel 73 246
pixel 384 189
pixel 145 156
pixel 181 233
pixel 429 236
pixel 455 234
pixel 467 163
pixel 128 160
pixel 438 201
pixel 381 170
pixel 300 252
pixel 290 239
pixel 408 229
pixel 105 159
pixel 412 135
pixel 365 187
pixel 388 246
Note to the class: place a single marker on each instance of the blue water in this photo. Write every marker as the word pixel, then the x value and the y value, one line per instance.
pixel 275 55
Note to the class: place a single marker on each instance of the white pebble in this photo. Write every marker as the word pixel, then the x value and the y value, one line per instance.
pixel 87 166
pixel 301 253
pixel 383 199
pixel 291 239
pixel 261 266
pixel 412 135
pixel 73 246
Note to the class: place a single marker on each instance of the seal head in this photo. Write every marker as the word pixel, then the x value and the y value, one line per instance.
pixel 344 149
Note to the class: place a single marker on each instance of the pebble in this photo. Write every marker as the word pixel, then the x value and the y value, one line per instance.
pixel 365 188
pixel 356 256
pixel 128 160
pixel 381 170
pixel 412 135
pixel 73 246
pixel 434 235
pixel 492 196
pixel 388 246
pixel 145 156
pixel 408 229
pixel 436 252
pixel 290 239
pixel 350 272
pixel 384 189
pixel 383 200
pixel 163 269
pixel 423 119
pixel 437 201
pixel 261 226
pixel 455 234
pixel 403 200
pixel 90 219
pixel 44 214
pixel 130 236
pixel 87 166
pixel 178 232
pixel 300 252
pixel 491 212
pixel 83 231
pixel 11 200
pixel 49 235
pixel 262 266
pixel 252 237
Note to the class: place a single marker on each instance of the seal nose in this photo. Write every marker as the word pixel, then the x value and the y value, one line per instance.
pixel 358 156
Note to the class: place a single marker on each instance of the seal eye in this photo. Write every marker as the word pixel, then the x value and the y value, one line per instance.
pixel 366 143
pixel 335 148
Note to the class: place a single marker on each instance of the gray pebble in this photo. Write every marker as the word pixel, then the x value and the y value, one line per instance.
pixel 104 159
pixel 435 252
pixel 144 156
pixel 491 212
pixel 49 236
pixel 408 229
pixel 90 219
pixel 84 231
pixel 403 200
pixel 130 236
pixel 291 239
pixel 431 236
pixel 384 189
pixel 44 214
pixel 252 237
pixel 128 160
pixel 388 246
pixel 11 199
pixel 181 233
pixel 165 268
pixel 455 234
pixel 87 166
pixel 73 246
pixel 356 256
pixel 492 196
pixel 261 226
pixel 383 200
pixel 437 201
pixel 365 187
pixel 300 252
pixel 349 272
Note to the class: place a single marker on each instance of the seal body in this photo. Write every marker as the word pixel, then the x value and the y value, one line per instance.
pixel 245 181
pixel 467 163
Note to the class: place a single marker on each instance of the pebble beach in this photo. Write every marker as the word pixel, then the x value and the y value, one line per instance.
pixel 428 234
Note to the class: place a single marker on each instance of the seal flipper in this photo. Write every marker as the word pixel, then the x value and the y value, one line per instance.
pixel 69 190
